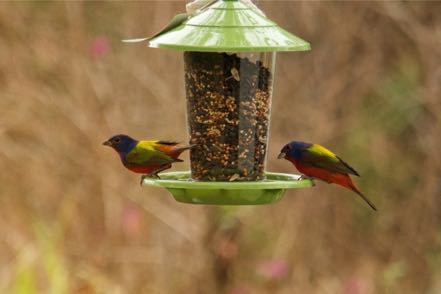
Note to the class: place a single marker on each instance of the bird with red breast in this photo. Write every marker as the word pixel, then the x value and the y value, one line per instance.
pixel 317 162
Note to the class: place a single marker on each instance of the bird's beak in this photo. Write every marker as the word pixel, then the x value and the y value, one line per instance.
pixel 281 155
pixel 107 143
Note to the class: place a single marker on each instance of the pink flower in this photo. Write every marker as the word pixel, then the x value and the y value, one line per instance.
pixel 274 269
pixel 354 286
pixel 99 46
pixel 131 220
pixel 239 290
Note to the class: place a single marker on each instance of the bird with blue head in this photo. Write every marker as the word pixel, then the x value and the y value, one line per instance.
pixel 317 162
pixel 148 157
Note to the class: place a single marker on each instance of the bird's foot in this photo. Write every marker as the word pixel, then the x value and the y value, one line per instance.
pixel 303 177
pixel 156 176
pixel 147 176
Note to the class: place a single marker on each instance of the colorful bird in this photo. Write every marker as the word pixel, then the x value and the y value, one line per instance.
pixel 146 157
pixel 315 161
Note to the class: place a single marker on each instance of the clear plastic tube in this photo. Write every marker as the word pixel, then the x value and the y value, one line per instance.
pixel 228 104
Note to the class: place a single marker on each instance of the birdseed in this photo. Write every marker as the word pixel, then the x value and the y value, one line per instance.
pixel 228 102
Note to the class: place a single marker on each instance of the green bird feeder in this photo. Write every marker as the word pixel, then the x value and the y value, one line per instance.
pixel 229 60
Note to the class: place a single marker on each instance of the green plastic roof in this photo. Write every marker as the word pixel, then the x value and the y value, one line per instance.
pixel 229 26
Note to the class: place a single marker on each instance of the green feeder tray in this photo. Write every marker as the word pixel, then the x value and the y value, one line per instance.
pixel 184 189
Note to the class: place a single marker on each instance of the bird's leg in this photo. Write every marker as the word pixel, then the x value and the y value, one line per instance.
pixel 150 175
pixel 142 178
pixel 155 174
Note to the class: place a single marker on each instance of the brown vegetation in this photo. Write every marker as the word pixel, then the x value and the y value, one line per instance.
pixel 74 221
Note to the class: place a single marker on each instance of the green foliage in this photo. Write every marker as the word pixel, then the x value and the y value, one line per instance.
pixel 395 106
pixel 25 278
pixel 385 133
pixel 52 259
pixel 42 266
pixel 393 273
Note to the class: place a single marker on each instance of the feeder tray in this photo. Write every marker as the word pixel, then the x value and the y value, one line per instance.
pixel 270 190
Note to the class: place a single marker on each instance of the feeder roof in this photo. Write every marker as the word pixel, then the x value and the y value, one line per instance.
pixel 229 26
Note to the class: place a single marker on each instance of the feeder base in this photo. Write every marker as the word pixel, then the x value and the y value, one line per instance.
pixel 185 190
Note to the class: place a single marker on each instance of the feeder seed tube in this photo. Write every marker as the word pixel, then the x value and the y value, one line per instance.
pixel 228 103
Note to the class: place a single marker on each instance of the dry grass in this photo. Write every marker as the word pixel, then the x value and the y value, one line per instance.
pixel 73 221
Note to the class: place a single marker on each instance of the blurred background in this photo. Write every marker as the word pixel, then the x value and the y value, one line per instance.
pixel 72 220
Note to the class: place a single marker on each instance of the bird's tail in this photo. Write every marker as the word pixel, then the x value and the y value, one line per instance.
pixel 354 188
pixel 178 150
pixel 181 149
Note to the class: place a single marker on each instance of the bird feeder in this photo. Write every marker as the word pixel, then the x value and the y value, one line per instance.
pixel 229 61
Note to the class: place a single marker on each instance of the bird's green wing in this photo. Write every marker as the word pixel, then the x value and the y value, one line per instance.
pixel 145 153
pixel 318 156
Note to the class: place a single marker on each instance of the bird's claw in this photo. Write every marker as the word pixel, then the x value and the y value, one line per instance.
pixel 303 177
pixel 151 176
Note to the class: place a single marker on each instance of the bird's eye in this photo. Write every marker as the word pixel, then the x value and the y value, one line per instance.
pixel 117 140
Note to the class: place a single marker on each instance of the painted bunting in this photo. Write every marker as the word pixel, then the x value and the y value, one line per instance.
pixel 315 161
pixel 146 157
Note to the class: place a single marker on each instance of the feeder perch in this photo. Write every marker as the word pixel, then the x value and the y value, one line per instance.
pixel 229 61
